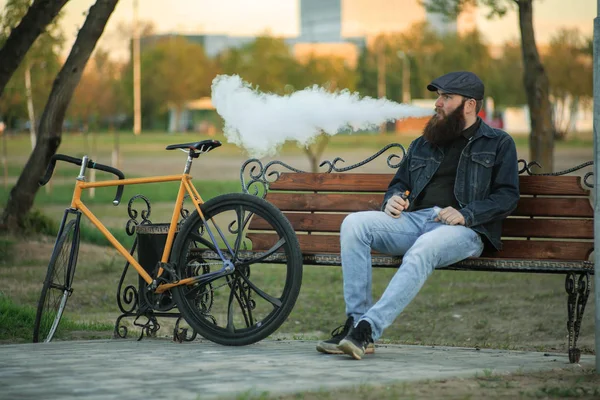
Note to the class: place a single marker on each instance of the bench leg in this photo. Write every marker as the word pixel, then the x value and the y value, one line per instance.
pixel 578 290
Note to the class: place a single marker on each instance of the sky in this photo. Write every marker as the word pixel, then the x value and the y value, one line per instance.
pixel 281 18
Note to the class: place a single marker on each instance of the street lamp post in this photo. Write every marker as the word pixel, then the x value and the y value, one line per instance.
pixel 137 113
pixel 405 76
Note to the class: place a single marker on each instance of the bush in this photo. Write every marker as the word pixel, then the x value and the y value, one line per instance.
pixel 6 253
pixel 35 222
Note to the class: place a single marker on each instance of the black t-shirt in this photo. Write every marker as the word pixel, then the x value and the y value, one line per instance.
pixel 440 189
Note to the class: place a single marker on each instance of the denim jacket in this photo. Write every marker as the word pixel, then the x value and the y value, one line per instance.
pixel 487 179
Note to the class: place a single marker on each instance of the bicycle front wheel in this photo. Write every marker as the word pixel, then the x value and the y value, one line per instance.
pixel 250 303
pixel 57 285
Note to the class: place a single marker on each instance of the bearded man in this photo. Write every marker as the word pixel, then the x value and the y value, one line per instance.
pixel 463 181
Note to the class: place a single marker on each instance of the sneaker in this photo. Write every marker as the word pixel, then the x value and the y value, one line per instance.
pixel 330 346
pixel 356 343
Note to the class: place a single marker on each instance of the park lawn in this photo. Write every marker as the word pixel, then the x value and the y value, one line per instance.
pixel 153 144
pixel 454 308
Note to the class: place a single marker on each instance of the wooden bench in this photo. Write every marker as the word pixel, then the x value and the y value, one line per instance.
pixel 551 231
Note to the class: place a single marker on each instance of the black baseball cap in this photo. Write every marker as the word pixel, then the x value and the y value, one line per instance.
pixel 460 82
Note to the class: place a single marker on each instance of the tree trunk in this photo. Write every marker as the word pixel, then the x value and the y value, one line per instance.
pixel 537 89
pixel 50 129
pixel 315 151
pixel 22 37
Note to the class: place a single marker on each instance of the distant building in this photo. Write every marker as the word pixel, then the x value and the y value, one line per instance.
pixel 320 21
pixel 343 20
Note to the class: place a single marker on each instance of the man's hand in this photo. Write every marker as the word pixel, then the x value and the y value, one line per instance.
pixel 450 216
pixel 395 205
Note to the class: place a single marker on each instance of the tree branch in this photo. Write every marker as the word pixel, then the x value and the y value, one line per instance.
pixel 22 37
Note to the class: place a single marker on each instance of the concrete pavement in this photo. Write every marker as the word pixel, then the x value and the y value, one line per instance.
pixel 158 368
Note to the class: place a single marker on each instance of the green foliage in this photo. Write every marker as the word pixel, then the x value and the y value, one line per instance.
pixel 42 59
pixel 35 222
pixel 570 71
pixel 266 62
pixel 175 70
pixel 16 322
pixel 568 64
pixel 6 250
pixel 452 8
pixel 432 55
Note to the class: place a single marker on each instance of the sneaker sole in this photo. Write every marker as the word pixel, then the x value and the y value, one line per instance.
pixel 349 348
pixel 333 349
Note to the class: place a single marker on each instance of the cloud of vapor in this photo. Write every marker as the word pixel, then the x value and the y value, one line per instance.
pixel 261 122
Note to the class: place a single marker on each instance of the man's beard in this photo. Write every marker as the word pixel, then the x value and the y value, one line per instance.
pixel 442 131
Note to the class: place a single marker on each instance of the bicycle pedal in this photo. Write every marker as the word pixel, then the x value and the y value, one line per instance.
pixel 170 268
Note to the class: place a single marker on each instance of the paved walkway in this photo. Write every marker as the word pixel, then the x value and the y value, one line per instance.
pixel 127 369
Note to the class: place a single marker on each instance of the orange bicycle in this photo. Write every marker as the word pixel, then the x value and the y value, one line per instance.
pixel 224 291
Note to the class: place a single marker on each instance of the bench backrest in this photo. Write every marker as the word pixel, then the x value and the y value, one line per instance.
pixel 553 220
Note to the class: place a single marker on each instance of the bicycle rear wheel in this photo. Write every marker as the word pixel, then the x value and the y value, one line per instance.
pixel 57 285
pixel 252 302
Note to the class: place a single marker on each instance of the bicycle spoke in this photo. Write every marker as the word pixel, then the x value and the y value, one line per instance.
pixel 57 285
pixel 273 300
pixel 196 237
pixel 251 302
pixel 239 211
pixel 193 291
pixel 264 256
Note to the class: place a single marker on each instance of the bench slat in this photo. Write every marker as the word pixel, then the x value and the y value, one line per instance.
pixel 348 202
pixel 528 185
pixel 537 249
pixel 351 202
pixel 332 182
pixel 512 227
pixel 551 186
pixel 554 207
pixel 549 228
pixel 524 249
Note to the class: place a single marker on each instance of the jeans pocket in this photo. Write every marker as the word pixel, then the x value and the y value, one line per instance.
pixel 435 211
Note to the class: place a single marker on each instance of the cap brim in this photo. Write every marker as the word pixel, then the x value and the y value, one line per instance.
pixel 432 88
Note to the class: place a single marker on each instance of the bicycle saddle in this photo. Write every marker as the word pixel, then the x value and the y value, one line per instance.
pixel 203 146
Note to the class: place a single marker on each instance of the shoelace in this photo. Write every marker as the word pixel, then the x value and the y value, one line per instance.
pixel 341 330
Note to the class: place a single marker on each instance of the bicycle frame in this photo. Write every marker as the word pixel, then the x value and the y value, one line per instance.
pixel 186 186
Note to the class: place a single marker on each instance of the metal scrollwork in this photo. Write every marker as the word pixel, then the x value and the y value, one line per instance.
pixel 149 328
pixel 525 167
pixel 260 176
pixel 133 214
pixel 578 291
pixel 128 297
pixel 181 334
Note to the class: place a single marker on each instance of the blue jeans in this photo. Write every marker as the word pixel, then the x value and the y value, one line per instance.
pixel 424 245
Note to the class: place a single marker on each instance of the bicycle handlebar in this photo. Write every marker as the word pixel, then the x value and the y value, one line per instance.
pixel 90 164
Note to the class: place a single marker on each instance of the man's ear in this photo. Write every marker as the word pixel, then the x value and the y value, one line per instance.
pixel 471 105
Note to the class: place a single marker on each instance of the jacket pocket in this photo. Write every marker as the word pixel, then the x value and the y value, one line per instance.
pixel 416 168
pixel 482 167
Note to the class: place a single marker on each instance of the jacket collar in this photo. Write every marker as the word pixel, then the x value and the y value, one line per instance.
pixel 485 130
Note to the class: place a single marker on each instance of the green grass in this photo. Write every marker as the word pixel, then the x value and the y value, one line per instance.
pixel 49 207
pixel 6 250
pixel 163 192
pixel 153 145
pixel 16 322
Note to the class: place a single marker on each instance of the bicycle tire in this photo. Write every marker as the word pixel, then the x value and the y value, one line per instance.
pixel 258 313
pixel 57 284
